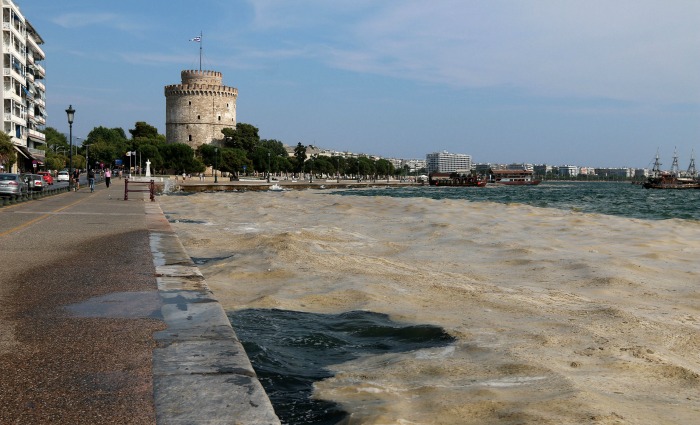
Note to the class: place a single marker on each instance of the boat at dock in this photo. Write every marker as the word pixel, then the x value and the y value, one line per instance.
pixel 673 179
pixel 456 179
pixel 514 177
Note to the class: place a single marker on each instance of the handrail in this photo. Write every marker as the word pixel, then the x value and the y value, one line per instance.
pixel 151 188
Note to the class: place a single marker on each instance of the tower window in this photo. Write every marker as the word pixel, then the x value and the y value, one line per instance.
pixel 189 137
pixel 199 117
pixel 189 103
pixel 219 117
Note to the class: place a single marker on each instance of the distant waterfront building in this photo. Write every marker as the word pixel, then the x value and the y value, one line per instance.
pixel 615 173
pixel 24 93
pixel 415 165
pixel 199 108
pixel 542 169
pixel 445 162
pixel 519 166
pixel 641 173
pixel 568 170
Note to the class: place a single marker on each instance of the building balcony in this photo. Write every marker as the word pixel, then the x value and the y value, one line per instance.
pixel 39 85
pixel 11 94
pixel 13 73
pixel 36 135
pixel 40 69
pixel 35 47
pixel 15 119
pixel 7 26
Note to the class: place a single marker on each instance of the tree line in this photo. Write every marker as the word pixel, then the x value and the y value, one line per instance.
pixel 241 151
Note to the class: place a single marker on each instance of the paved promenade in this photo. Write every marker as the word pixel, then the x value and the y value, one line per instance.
pixel 104 319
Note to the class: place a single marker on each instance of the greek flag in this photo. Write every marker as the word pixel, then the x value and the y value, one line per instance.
pixel 197 39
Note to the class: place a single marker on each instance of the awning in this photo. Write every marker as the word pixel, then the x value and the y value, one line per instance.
pixel 20 151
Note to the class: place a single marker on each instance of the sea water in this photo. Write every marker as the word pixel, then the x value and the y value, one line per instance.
pixel 558 303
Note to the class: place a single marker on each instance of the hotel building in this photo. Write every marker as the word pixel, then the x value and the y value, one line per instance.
pixel 445 162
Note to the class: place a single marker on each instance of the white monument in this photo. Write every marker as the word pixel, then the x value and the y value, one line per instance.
pixel 148 168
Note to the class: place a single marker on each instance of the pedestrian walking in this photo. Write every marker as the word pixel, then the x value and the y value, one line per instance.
pixel 91 179
pixel 108 177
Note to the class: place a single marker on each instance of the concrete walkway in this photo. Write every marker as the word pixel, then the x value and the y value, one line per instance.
pixel 105 319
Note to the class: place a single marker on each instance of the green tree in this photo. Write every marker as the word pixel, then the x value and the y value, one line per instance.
pixel 299 157
pixel 143 130
pixel 209 155
pixel 244 136
pixel 179 158
pixel 8 154
pixel 384 167
pixel 366 166
pixel 233 161
pixel 55 140
pixel 114 136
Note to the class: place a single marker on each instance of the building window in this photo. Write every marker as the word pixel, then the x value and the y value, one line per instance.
pixel 189 103
pixel 189 137
pixel 219 117
pixel 199 117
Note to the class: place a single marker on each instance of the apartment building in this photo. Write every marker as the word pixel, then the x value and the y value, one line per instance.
pixel 445 162
pixel 24 92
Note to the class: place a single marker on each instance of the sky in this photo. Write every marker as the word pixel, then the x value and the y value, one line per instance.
pixel 563 82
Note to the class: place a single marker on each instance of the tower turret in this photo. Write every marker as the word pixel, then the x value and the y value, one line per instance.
pixel 199 108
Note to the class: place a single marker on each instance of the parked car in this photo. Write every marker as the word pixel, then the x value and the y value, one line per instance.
pixel 62 176
pixel 48 178
pixel 35 182
pixel 12 184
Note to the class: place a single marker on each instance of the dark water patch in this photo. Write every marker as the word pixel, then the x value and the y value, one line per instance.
pixel 610 198
pixel 291 350
pixel 139 304
pixel 185 220
pixel 204 260
pixel 179 193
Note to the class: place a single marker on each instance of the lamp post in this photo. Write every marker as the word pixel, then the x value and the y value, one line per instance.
pixel 268 167
pixel 216 164
pixel 337 163
pixel 87 155
pixel 70 112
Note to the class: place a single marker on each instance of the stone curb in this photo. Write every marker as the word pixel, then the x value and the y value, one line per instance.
pixel 201 373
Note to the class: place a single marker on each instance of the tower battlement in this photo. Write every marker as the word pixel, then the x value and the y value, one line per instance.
pixel 199 89
pixel 201 77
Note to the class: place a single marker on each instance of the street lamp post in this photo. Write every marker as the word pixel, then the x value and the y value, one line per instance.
pixel 70 112
pixel 87 156
pixel 268 167
pixel 216 164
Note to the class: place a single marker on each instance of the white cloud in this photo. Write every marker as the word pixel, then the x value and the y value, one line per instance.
pixel 642 50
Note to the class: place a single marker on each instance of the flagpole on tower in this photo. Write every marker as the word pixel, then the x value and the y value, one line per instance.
pixel 199 40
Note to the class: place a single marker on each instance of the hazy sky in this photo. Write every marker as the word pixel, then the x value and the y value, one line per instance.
pixel 583 82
